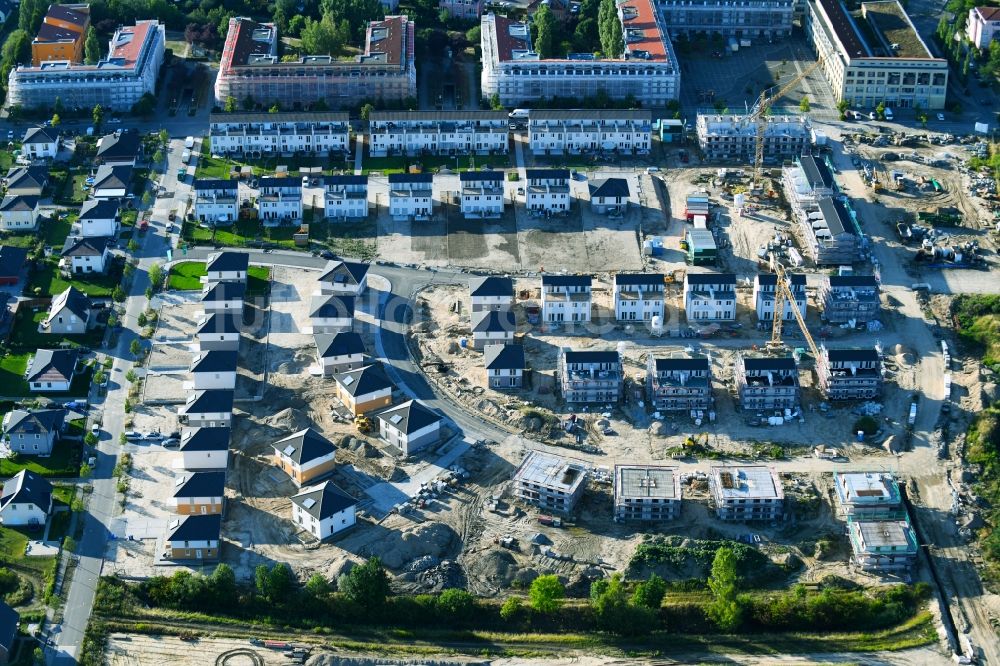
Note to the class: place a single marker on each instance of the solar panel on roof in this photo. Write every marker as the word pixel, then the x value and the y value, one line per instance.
pixel 348 381
pixel 395 418
pixel 289 450
pixel 309 502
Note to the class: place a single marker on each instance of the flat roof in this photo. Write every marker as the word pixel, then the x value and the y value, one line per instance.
pixel 549 471
pixel 866 488
pixel 843 26
pixel 647 481
pixel 746 482
pixel 881 534
pixel 893 26
pixel 643 37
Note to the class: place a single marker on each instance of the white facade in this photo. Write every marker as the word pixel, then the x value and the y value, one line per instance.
pixel 345 197
pixel 23 513
pixel 213 380
pixel 566 298
pixel 216 201
pixel 411 196
pixel 763 296
pixel 19 214
pixel 267 133
pixel 482 193
pixel 983 26
pixel 710 296
pixel 99 226
pixel 323 529
pixel 41 146
pixel 89 263
pixel 638 297
pixel 547 190
pixel 587 130
pixel 438 132
pixel 280 200
pixel 202 460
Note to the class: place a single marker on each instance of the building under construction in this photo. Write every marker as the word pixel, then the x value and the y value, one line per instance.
pixel 849 374
pixel 647 492
pixel 767 382
pixel 746 492
pixel 550 482
pixel 734 138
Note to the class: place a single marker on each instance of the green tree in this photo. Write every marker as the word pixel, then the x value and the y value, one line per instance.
pixel 366 111
pixel 474 35
pixel 145 106
pixel 90 439
pixel 156 275
pixel 296 25
pixel 147 198
pixel 455 604
pixel 56 120
pixel 495 102
pixel 610 29
pixel 546 594
pixel 118 294
pixel 585 37
pixel 725 609
pixel 317 586
pixel 164 137
pixel 545 36
pixel 842 106
pixel 511 609
pixel 231 104
pixel 275 108
pixel 158 156
pixel 260 580
pixel 131 377
pixel 650 593
pixel 280 582
pixel 804 104
pixel 57 106
pixel 249 103
pixel 321 37
pixel 880 111
pixel 97 115
pixel 222 586
pixel 613 611
pixel 135 348
pixel 366 585
pixel 92 47
pixel 141 319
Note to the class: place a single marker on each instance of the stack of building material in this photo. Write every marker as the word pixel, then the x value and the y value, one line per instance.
pixel 696 206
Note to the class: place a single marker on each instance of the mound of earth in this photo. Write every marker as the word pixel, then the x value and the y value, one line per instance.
pixel 290 420
pixel 398 550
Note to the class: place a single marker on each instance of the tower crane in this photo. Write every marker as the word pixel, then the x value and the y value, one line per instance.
pixel 758 115
pixel 783 294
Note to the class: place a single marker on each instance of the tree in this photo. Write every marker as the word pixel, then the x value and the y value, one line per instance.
pixel 56 120
pixel 92 47
pixel 145 106
pixel 725 609
pixel 880 111
pixel 495 102
pixel 131 377
pixel 474 35
pixel 585 36
pixel 230 104
pixel 650 593
pixel 842 108
pixel 275 108
pixel 366 111
pixel 317 586
pixel 804 105
pixel 156 275
pixel 546 594
pixel 296 25
pixel 118 294
pixel 158 156
pixel 613 610
pixel 610 29
pixel 456 604
pixel 321 37
pixel 545 37
pixel 511 609
pixel 280 581
pixel 147 198
pixel 366 585
pixel 97 115
pixel 164 137
pixel 57 106
pixel 90 439
pixel 222 586
pixel 135 348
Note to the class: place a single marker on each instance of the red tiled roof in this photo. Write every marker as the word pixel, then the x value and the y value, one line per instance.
pixel 645 21
pixel 387 37
pixel 989 13
pixel 507 44
pixel 130 40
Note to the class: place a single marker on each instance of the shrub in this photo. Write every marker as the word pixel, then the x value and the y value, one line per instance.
pixel 456 604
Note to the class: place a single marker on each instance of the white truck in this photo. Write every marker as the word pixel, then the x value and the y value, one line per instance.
pixel 189 142
pixel 186 156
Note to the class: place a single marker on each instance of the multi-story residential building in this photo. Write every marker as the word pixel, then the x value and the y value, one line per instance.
pixel 324 510
pixel 19 213
pixel 305 456
pixel 590 376
pixel 746 492
pixel 331 313
pixel 462 9
pixel 61 36
pixel 492 327
pixel 33 432
pixel 766 382
pixel 280 200
pixel 733 138
pixel 849 374
pixel 638 296
pixel 547 190
pixel 885 546
pixel 750 19
pixel 566 298
pixel 983 26
pixel 219 331
pixel 411 195
pixel 764 286
pixel 647 492
pixel 410 427
pixel 482 193
pixel 438 133
pixel 848 298
pixel 204 448
pixel 831 235
pixel 868 496
pixel 214 369
pixel 251 67
pixel 649 71
pixel 216 201
pixel 875 56
pixel 346 278
pixel 86 255
pixel 195 537
pixel 98 217
pixel 40 143
pixel 550 482
pixel 710 296
pixel 117 82
pixel 679 383
pixel 491 293
pixel 212 408
pixel 223 297
pixel 345 197
pixel 504 366
pixel 574 131
pixel 257 134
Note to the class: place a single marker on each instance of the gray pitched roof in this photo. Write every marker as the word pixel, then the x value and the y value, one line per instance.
pixel 865 355
pixel 491 285
pixel 71 299
pixel 224 291
pixel 364 380
pixel 211 184
pixel 345 272
pixel 409 417
pixel 40 135
pixel 546 174
pixel 52 365
pixel 15 202
pixel 228 261
pixel 711 278
pixel 638 279
pixel 214 361
pixel 609 187
pixel 480 176
pixel 427 178
pixel 112 176
pixel 592 356
pixel 339 344
pixel 98 209
pixel 12 260
pixel 32 176
pixel 836 216
pixel 85 247
pixel 35 421
pixel 119 146
pixel 200 484
pixel 209 401
pixel 493 321
pixel 198 527
pixel 676 364
pixel 769 279
pixel 27 488
pixel 304 446
pixel 853 281
pixel 205 439
pixel 503 357
pixel 567 280
pixel 332 306
pixel 763 364
pixel 323 500
pixel 220 322
pixel 9 618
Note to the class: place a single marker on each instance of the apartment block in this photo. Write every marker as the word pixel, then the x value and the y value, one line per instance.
pixel 638 296
pixel 868 496
pixel 575 131
pixel 848 298
pixel 547 190
pixel 748 19
pixel 438 133
pixel 679 383
pixel 462 9
pixel 411 195
pixel 831 234
pixel 746 492
pixel 61 35
pixel 850 374
pixel 258 134
pixel 280 200
pixel 566 298
pixel 251 67
pixel 590 376
pixel 345 197
pixel 216 201
pixel 515 72
pixel 482 194
pixel 710 296
pixel 647 493
pixel 767 383
pixel 764 287
pixel 733 138
pixel 550 482
pixel 883 546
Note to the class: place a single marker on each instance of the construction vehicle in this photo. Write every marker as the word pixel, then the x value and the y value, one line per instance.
pixel 783 294
pixel 758 115
pixel 691 441
pixel 362 423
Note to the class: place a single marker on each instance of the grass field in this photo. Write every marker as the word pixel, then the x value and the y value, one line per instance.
pixel 25 335
pixel 400 163
pixel 64 462
pixel 185 276
pixel 13 384
pixel 50 282
pixel 219 167
pixel 55 231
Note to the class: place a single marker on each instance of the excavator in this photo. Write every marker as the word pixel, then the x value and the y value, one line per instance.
pixel 362 423
pixel 691 441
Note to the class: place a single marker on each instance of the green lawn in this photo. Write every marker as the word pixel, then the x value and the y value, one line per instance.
pixel 243 233
pixel 219 167
pixel 185 276
pixel 67 186
pixel 64 462
pixel 48 279
pixel 12 544
pixel 12 367
pixel 258 280
pixel 55 230
pixel 19 240
pixel 432 163
pixel 25 335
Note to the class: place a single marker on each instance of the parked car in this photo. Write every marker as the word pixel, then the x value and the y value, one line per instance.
pixel 940 116
pixel 133 435
pixel 328 255
pixel 76 404
pixel 171 443
pixel 95 427
pixel 152 435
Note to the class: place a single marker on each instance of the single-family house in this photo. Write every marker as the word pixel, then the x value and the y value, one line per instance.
pixel 609 195
pixel 227 266
pixel 40 143
pixel 51 370
pixel 305 456
pixel 491 293
pixel 410 427
pixel 205 448
pixel 33 432
pixel 26 500
pixel 764 286
pixel 222 297
pixel 98 218
pixel 219 332
pixel 216 201
pixel 482 193
pixel 344 277
pixel 199 492
pixel 27 181
pixel 69 313
pixel 193 537
pixel 331 313
pixel 504 366
pixel 209 408
pixel 19 212
pixel 492 327
pixel 638 296
pixel 339 352
pixel 323 510
pixel 9 618
pixel 345 197
pixel 122 147
pixel 364 389
pixel 547 190
pixel 566 298
pixel 280 200
pixel 710 296
pixel 86 255
pixel 411 195
pixel 111 181
pixel 214 370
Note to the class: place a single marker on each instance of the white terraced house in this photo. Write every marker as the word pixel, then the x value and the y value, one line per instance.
pixel 262 133
pixel 764 286
pixel 566 298
pixel 280 200
pixel 638 296
pixel 411 195
pixel 553 132
pixel 710 296
pixel 547 190
pixel 438 133
pixel 217 202
pixel 482 193
pixel 345 197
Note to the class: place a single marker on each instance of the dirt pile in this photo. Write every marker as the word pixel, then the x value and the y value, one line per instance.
pixel 398 550
pixel 289 420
